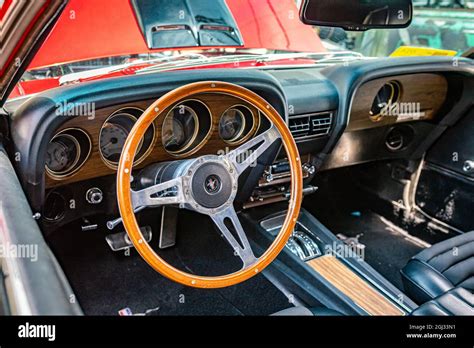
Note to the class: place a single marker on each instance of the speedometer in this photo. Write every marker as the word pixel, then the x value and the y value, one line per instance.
pixel 112 139
pixel 114 133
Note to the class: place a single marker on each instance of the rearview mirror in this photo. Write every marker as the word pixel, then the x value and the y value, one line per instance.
pixel 357 15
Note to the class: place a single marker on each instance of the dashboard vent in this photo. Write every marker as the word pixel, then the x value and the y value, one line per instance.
pixel 311 125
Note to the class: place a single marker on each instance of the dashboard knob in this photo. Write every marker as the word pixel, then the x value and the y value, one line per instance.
pixel 94 195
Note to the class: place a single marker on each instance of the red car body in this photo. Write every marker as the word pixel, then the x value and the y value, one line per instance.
pixel 105 28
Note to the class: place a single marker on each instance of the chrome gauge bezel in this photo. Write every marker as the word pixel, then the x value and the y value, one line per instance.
pixel 78 162
pixel 123 112
pixel 201 131
pixel 249 127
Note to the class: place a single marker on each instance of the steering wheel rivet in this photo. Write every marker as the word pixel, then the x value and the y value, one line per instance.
pixel 157 109
pixel 140 241
pixel 256 270
pixel 193 282
pixel 126 170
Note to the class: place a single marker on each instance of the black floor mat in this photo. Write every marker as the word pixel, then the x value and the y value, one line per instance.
pixel 387 250
pixel 106 282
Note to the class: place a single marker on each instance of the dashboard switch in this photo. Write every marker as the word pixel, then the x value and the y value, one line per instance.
pixel 94 195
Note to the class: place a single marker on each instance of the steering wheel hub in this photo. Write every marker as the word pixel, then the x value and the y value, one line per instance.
pixel 211 184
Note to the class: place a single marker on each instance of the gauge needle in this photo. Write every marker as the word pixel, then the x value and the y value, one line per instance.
pixel 107 145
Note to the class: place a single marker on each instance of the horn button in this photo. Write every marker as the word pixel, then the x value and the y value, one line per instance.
pixel 211 185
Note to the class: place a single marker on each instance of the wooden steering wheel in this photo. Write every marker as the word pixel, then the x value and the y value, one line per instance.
pixel 194 185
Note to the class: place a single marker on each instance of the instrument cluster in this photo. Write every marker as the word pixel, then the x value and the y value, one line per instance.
pixel 183 130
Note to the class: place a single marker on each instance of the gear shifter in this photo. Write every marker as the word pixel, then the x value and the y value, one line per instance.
pixel 302 245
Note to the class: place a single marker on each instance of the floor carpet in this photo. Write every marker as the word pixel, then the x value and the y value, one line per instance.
pixel 106 282
pixel 387 247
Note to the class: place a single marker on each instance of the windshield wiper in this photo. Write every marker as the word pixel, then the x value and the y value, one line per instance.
pixel 188 60
pixel 74 77
pixel 318 57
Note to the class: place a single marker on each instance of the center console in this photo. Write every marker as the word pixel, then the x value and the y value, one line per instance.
pixel 319 269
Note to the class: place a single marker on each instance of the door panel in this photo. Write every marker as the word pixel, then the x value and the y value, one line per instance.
pixel 33 281
pixel 445 188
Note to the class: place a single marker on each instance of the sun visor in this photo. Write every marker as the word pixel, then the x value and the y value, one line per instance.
pixel 186 23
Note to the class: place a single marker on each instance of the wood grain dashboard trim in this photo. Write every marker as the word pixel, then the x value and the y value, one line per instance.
pixel 429 91
pixel 353 286
pixel 95 166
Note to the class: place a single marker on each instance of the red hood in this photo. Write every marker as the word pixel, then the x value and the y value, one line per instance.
pixel 89 29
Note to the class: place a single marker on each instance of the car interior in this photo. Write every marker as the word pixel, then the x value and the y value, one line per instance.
pixel 164 198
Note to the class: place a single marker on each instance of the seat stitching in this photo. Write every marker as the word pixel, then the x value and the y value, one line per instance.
pixel 454 264
pixel 448 250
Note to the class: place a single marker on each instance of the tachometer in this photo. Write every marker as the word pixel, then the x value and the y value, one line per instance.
pixel 180 128
pixel 231 124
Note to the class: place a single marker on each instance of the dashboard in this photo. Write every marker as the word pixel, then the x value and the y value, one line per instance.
pixel 339 115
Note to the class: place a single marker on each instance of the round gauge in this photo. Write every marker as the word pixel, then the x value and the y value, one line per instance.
pixel 114 133
pixel 231 124
pixel 237 124
pixel 112 139
pixel 67 152
pixel 180 128
pixel 62 154
pixel 386 96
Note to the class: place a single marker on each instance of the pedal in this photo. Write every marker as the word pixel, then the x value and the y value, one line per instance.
pixel 88 226
pixel 121 241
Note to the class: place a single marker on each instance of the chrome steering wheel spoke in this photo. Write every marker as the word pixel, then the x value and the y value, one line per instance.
pixel 166 193
pixel 241 246
pixel 247 154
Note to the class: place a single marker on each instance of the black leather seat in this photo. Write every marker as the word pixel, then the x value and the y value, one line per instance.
pixel 457 301
pixel 440 268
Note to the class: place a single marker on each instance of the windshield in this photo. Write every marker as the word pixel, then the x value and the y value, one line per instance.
pixel 246 34
pixel 437 24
